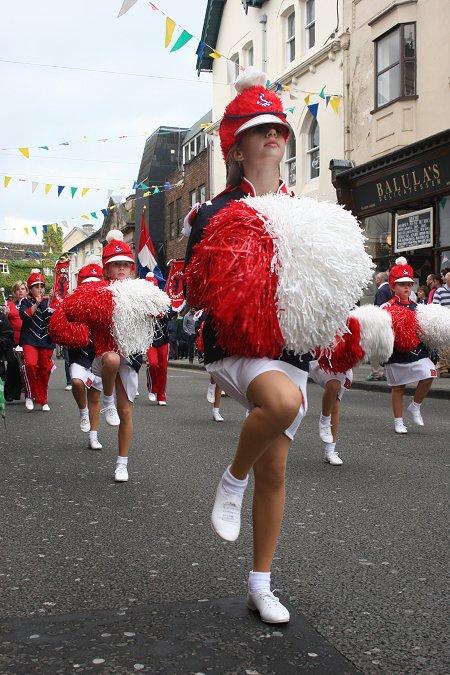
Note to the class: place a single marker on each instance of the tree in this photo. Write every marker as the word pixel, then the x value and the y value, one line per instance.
pixel 52 239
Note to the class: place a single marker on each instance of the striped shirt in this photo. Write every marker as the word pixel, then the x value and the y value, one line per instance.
pixel 442 296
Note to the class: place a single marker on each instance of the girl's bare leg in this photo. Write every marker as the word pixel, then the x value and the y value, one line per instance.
pixel 124 409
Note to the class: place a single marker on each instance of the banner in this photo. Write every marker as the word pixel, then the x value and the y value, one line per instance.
pixel 60 281
pixel 174 286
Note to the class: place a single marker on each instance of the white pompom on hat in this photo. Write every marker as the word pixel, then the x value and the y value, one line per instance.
pixel 116 249
pixel 401 260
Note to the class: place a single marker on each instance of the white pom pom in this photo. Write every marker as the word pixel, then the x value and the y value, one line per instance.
pixel 136 306
pixel 35 270
pixel 92 260
pixel 433 326
pixel 251 77
pixel 149 275
pixel 401 260
pixel 321 263
pixel 114 235
pixel 377 336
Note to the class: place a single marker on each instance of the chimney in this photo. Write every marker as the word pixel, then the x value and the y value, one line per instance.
pixel 87 229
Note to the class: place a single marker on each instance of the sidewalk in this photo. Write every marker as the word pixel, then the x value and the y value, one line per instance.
pixel 440 388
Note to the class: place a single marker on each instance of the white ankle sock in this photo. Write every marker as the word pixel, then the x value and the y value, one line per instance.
pixel 84 412
pixel 216 410
pixel 108 400
pixel 415 406
pixel 325 420
pixel 398 420
pixel 232 484
pixel 93 435
pixel 122 460
pixel 330 447
pixel 258 581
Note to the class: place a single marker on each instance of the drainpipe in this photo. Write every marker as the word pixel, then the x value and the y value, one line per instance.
pixel 345 42
pixel 263 22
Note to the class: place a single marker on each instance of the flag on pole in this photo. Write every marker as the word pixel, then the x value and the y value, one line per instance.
pixel 146 250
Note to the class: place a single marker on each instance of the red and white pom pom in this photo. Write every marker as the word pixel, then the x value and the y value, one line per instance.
pixel 377 336
pixel 114 235
pixel 90 303
pixel 433 326
pixel 137 305
pixel 64 332
pixel 404 325
pixel 346 352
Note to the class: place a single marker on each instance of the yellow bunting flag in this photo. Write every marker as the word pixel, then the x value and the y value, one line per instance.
pixel 7 180
pixel 54 226
pixel 48 187
pixel 170 27
pixel 27 231
pixel 25 152
pixel 85 217
pixel 215 55
pixel 147 194
pixel 335 102
pixel 84 191
pixel 306 99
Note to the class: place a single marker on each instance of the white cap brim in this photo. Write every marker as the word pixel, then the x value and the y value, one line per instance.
pixel 119 258
pixel 398 281
pixel 90 279
pixel 261 119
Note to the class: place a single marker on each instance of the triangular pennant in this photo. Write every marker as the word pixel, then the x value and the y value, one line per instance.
pixel 144 186
pixel 277 86
pixel 306 99
pixel 105 212
pixel 335 102
pixel 94 214
pixel 25 152
pixel 126 5
pixel 135 186
pixel 291 110
pixel 156 190
pixel 34 185
pixel 327 100
pixel 34 228
pixel 322 92
pixel 54 226
pixel 27 231
pixel 45 228
pixel 313 108
pixel 183 39
pixel 170 27
pixel 153 7
pixel 60 189
pixel 7 180
pixel 215 55
pixel 109 193
pixel 73 191
pixel 84 191
pixel 48 187
pixel 285 87
pixel 85 217
pixel 147 194
pixel 43 147
pixel 200 49
pixel 64 223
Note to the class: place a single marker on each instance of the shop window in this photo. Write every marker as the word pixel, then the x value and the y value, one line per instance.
pixel 291 161
pixel 313 151
pixel 179 216
pixel 4 268
pixel 202 191
pixel 310 24
pixel 444 221
pixel 395 64
pixel 172 220
pixel 378 232
pixel 290 37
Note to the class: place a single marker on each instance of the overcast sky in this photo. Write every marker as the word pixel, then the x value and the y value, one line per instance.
pixel 51 105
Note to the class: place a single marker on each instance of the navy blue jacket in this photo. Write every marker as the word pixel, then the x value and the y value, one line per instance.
pixel 34 329
pixel 383 294
pixel 409 357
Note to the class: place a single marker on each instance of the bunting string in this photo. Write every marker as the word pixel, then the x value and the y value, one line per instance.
pixel 74 190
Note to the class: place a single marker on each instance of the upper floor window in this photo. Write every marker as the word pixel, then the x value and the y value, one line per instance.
pixel 290 37
pixel 235 65
pixel 4 268
pixel 202 191
pixel 248 54
pixel 179 216
pixel 172 220
pixel 192 197
pixel 395 64
pixel 313 151
pixel 310 24
pixel 291 161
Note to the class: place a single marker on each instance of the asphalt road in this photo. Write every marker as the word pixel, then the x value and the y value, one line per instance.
pixel 122 578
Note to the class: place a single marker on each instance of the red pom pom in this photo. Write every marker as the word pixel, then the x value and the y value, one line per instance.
pixel 347 352
pixel 64 332
pixel 230 276
pixel 91 303
pixel 404 325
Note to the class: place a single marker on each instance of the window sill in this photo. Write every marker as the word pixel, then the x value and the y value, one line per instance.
pixel 395 100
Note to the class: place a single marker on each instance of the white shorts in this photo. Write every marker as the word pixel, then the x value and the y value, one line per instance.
pixel 128 376
pixel 86 375
pixel 235 374
pixel 398 374
pixel 320 376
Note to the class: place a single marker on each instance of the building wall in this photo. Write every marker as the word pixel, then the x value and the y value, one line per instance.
pixel 73 238
pixel 376 132
pixel 310 71
pixel 90 246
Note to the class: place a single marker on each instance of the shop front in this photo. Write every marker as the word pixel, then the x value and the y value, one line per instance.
pixel 403 203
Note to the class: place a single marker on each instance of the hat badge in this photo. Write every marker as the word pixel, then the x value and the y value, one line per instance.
pixel 263 101
pixel 118 249
pixel 405 271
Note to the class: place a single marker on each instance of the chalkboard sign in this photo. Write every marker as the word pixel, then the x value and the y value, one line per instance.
pixel 414 230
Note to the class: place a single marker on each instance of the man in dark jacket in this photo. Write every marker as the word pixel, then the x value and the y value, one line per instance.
pixel 382 295
pixel 6 339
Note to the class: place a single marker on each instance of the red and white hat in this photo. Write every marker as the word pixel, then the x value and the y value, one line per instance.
pixel 400 272
pixel 91 271
pixel 151 277
pixel 116 249
pixel 254 105
pixel 35 278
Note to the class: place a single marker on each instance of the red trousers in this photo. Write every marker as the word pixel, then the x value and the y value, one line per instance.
pixel 38 366
pixel 157 361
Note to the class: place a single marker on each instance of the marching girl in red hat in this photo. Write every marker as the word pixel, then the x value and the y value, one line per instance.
pixel 158 358
pixel 410 361
pixel 36 342
pixel 121 312
pixel 248 263
pixel 86 386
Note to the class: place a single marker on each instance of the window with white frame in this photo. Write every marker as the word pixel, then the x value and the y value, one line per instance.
pixel 186 154
pixel 290 163
pixel 4 268
pixel 290 37
pixel 47 272
pixel 313 151
pixel 235 61
pixel 310 24
pixel 248 54
pixel 193 148
pixel 202 191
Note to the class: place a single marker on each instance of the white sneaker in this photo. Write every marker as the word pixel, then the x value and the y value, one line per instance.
pixel 29 405
pixel 85 425
pixel 400 428
pixel 162 402
pixel 68 387
pixel 217 417
pixel 333 458
pixel 121 473
pixel 226 515
pixel 325 433
pixel 211 393
pixel 269 607
pixel 415 414
pixel 152 397
pixel 137 394
pixel 111 416
pixel 95 444
pixel 46 407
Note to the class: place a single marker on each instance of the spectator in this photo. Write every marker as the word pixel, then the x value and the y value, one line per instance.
pixel 382 295
pixel 13 382
pixel 189 329
pixel 433 282
pixel 442 297
pixel 182 339
pixel 422 293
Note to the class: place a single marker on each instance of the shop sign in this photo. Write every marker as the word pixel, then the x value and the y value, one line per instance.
pixel 414 230
pixel 424 179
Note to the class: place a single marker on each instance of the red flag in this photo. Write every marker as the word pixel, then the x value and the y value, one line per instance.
pixel 146 250
pixel 174 286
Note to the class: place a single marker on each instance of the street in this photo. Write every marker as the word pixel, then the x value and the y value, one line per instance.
pixel 122 578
